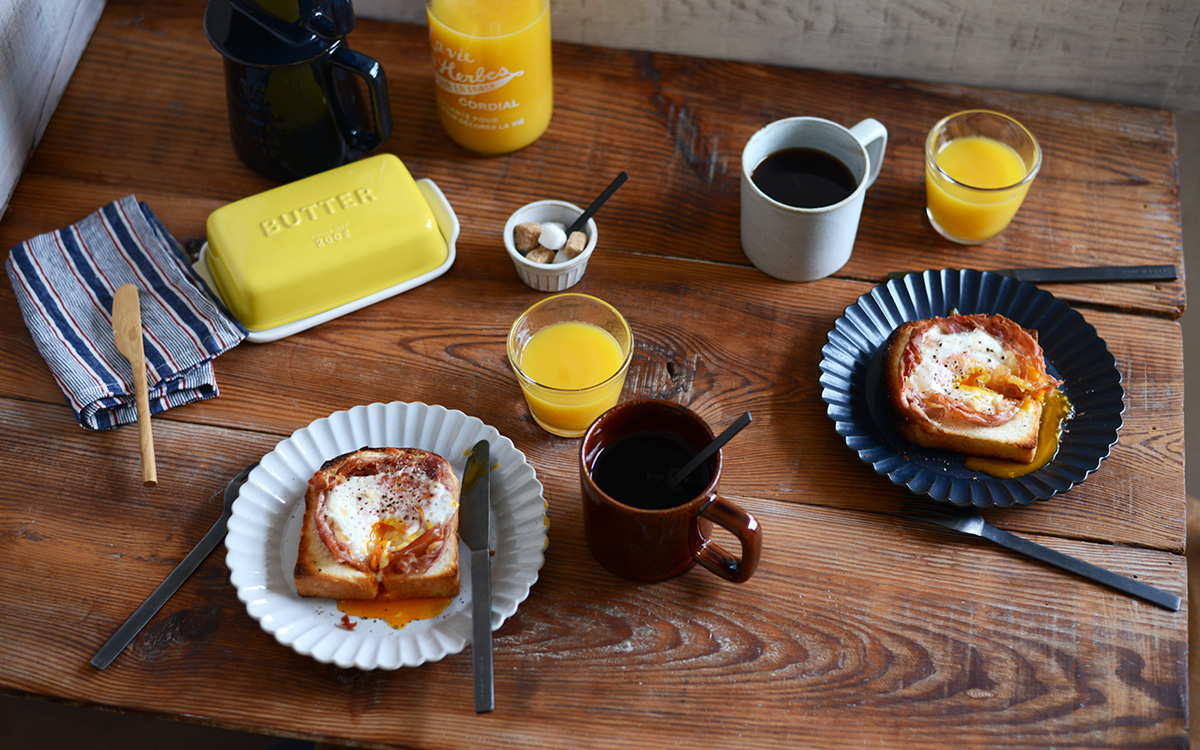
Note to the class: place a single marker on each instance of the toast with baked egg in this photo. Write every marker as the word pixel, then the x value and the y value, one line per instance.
pixel 380 522
pixel 974 384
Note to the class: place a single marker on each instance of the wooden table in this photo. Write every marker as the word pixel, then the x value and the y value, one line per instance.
pixel 859 628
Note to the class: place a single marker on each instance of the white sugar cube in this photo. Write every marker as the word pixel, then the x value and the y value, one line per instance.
pixel 553 236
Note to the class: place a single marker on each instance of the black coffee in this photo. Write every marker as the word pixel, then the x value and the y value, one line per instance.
pixel 635 469
pixel 804 178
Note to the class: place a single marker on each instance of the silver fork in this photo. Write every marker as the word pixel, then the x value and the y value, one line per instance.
pixel 971 521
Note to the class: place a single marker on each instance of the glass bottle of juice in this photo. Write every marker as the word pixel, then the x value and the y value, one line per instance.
pixel 491 65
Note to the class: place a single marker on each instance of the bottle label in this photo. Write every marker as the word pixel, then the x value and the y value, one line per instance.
pixel 450 78
pixel 494 93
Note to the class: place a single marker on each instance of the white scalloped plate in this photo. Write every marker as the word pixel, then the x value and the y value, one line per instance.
pixel 264 534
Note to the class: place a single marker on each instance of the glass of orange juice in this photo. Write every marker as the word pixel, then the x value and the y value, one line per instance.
pixel 570 353
pixel 491 71
pixel 978 167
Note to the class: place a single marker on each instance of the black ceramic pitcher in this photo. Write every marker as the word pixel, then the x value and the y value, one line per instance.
pixel 295 105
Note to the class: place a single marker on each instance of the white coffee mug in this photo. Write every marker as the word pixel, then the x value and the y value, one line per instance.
pixel 806 244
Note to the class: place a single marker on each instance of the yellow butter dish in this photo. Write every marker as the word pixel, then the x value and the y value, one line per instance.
pixel 304 253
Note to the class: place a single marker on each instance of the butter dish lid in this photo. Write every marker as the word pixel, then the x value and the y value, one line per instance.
pixel 297 255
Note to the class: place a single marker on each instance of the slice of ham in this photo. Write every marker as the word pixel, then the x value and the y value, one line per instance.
pixel 417 556
pixel 1023 378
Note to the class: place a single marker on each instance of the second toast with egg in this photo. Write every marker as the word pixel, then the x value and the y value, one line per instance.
pixel 975 384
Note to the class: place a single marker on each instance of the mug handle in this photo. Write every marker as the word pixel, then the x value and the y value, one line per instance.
pixel 873 136
pixel 742 525
pixel 370 71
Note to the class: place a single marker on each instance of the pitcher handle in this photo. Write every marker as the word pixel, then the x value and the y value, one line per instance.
pixel 873 136
pixel 743 526
pixel 370 71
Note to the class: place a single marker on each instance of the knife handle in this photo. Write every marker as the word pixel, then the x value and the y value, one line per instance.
pixel 1081 274
pixel 132 626
pixel 1085 569
pixel 481 619
pixel 1092 273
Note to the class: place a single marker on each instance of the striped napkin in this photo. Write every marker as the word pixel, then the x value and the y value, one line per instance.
pixel 64 282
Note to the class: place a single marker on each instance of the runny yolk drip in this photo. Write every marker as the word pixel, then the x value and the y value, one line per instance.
pixel 389 536
pixel 1056 410
pixel 396 612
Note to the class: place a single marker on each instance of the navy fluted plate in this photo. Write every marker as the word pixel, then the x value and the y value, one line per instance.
pixel 853 389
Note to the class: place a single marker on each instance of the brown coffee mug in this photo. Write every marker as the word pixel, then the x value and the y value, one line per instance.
pixel 647 529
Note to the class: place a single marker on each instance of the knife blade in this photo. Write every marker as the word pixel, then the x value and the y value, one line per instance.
pixel 1081 274
pixel 129 630
pixel 474 528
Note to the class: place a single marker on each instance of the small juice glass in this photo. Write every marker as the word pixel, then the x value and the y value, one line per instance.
pixel 978 167
pixel 570 353
pixel 492 71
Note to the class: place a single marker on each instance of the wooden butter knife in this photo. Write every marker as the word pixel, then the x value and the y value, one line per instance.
pixel 127 332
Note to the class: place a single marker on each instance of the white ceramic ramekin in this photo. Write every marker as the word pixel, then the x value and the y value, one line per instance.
pixel 550 277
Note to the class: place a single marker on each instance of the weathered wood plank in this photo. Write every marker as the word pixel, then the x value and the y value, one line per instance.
pixel 1138 52
pixel 40 44
pixel 726 344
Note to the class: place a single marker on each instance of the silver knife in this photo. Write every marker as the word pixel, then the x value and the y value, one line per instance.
pixel 474 527
pixel 1081 274
pixel 126 633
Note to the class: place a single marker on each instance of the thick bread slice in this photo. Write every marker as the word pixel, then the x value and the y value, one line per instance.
pixel 440 580
pixel 1015 440
pixel 319 572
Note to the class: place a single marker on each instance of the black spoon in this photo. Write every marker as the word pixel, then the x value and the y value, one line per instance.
pixel 596 204
pixel 678 475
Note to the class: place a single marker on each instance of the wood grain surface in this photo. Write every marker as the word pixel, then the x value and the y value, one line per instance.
pixel 860 629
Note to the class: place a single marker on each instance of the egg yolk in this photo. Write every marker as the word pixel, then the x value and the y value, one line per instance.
pixel 396 612
pixel 1056 410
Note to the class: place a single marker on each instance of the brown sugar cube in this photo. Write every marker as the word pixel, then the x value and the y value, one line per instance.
pixel 525 235
pixel 575 244
pixel 540 255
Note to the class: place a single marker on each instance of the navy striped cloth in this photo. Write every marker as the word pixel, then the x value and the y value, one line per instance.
pixel 64 282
